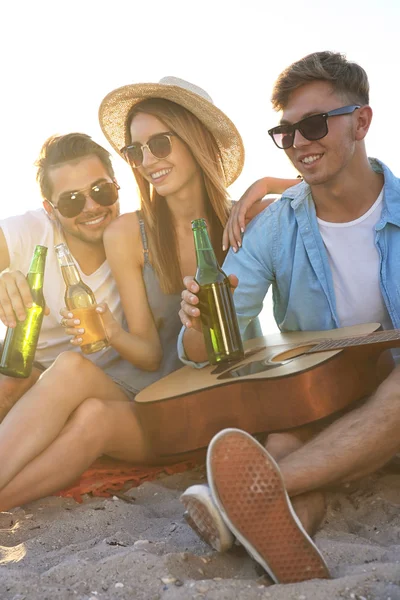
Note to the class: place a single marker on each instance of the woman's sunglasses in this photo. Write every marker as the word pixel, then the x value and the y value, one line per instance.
pixel 160 146
pixel 70 204
pixel 312 128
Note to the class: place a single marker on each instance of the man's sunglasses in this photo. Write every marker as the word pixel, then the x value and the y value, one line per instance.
pixel 312 128
pixel 160 146
pixel 70 204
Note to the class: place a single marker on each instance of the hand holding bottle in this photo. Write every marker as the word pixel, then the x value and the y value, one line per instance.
pixel 73 326
pixel 190 312
pixel 217 311
pixel 81 302
pixel 15 298
pixel 20 341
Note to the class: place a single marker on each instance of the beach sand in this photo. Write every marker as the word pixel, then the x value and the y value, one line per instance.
pixel 56 549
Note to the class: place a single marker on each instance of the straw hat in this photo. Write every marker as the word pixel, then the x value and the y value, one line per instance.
pixel 116 105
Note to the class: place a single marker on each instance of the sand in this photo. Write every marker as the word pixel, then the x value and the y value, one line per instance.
pixel 56 549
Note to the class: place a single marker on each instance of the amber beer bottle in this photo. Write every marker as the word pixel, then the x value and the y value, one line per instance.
pixel 80 300
pixel 20 341
pixel 218 316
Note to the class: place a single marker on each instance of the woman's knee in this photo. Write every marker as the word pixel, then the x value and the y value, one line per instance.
pixel 93 411
pixel 69 364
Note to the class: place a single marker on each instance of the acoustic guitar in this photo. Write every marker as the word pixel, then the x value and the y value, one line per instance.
pixel 284 381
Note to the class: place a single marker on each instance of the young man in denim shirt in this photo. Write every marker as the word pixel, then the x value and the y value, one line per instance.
pixel 330 248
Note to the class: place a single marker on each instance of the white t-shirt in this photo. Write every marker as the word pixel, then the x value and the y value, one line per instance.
pixel 23 233
pixel 354 261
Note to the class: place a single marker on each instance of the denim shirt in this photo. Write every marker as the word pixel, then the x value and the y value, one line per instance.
pixel 283 247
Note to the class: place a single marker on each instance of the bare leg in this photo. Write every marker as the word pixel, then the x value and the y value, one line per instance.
pixel 12 389
pixel 309 507
pixel 40 415
pixel 96 427
pixel 358 443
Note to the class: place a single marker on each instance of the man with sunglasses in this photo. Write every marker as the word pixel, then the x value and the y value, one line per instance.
pixel 80 198
pixel 330 249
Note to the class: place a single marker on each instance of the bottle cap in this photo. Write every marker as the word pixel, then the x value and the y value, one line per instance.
pixel 61 248
pixel 198 223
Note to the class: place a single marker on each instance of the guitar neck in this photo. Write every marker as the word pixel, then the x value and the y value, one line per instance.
pixel 385 339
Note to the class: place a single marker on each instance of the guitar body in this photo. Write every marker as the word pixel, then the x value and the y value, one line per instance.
pixel 183 411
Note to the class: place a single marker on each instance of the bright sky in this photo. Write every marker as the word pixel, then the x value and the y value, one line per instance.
pixel 61 58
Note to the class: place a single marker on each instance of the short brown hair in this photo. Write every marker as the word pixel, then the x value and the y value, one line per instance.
pixel 346 77
pixel 59 149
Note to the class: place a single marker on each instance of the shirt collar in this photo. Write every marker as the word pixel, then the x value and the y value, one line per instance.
pixel 300 192
pixel 391 199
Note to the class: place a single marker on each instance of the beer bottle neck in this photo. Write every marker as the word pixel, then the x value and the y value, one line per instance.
pixel 35 274
pixel 69 270
pixel 205 254
pixel 70 274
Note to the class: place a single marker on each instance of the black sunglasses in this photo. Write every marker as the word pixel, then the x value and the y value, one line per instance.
pixel 159 145
pixel 312 128
pixel 70 204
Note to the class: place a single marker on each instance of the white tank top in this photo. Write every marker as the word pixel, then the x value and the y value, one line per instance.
pixel 354 261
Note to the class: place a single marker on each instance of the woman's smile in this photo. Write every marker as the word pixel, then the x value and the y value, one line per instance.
pixel 160 175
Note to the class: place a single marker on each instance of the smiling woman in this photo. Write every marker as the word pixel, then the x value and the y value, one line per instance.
pixel 204 155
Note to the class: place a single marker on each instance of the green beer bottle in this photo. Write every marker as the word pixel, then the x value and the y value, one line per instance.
pixel 20 341
pixel 218 316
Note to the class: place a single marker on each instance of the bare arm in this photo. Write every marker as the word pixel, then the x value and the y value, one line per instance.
pixel 141 345
pixel 193 343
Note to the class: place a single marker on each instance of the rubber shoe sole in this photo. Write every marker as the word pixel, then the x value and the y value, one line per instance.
pixel 248 489
pixel 205 519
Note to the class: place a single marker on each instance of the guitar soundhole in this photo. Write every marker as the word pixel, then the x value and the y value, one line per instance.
pixel 291 353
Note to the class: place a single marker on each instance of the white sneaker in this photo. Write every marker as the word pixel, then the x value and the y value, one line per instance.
pixel 249 493
pixel 205 519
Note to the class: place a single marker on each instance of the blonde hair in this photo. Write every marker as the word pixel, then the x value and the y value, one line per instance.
pixel 158 220
pixel 347 78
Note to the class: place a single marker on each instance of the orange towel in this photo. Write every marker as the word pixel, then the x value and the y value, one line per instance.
pixel 107 476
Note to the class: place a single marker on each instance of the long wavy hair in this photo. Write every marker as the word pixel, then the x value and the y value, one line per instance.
pixel 156 214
